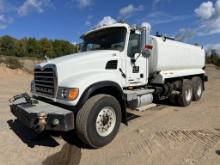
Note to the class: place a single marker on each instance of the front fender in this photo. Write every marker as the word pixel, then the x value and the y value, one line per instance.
pixel 83 81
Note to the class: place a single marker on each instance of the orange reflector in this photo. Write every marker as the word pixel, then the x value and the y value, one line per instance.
pixel 73 93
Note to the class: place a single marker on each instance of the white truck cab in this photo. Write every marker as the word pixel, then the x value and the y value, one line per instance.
pixel 119 66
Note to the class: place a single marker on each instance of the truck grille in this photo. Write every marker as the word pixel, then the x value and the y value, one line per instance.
pixel 45 81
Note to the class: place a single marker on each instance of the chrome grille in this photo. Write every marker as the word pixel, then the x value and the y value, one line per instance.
pixel 45 81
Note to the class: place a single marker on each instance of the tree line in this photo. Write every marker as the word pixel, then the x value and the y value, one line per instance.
pixel 213 58
pixel 31 47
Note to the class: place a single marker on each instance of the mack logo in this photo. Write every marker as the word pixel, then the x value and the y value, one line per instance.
pixel 46 90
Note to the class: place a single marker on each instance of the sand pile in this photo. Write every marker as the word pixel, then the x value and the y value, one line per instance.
pixel 7 72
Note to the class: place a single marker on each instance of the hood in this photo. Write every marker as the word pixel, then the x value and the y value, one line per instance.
pixel 78 63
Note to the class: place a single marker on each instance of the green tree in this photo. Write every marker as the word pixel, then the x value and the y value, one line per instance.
pixel 33 48
pixel 20 50
pixel 57 47
pixel 67 47
pixel 62 47
pixel 47 48
pixel 7 45
pixel 213 58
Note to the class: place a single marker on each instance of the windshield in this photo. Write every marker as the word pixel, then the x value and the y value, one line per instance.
pixel 106 39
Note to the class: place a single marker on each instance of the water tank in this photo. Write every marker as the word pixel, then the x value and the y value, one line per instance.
pixel 173 55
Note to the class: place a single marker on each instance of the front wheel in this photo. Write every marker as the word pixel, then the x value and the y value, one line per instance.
pixel 97 123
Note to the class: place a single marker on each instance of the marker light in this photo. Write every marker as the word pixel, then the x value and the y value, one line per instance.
pixel 73 93
pixel 148 47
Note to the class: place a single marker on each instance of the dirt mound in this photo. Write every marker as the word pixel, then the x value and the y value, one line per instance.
pixel 26 64
pixel 7 72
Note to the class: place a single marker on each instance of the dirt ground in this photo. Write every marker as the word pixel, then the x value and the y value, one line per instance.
pixel 162 135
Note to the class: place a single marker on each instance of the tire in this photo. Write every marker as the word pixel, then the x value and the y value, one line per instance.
pixel 197 88
pixel 186 93
pixel 98 121
pixel 172 100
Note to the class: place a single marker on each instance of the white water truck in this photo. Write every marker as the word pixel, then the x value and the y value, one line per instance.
pixel 118 67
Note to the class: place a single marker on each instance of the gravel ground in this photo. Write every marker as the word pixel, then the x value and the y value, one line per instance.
pixel 161 135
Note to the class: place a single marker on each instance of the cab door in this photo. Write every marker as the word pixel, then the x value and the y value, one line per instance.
pixel 136 64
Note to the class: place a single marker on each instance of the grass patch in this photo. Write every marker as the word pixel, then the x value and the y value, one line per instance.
pixel 12 63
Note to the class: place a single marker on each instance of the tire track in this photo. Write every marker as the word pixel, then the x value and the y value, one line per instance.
pixel 158 144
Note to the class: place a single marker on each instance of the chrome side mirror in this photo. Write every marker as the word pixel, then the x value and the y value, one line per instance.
pixel 146 53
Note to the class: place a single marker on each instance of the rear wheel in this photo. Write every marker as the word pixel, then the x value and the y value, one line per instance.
pixel 186 94
pixel 197 88
pixel 97 123
pixel 172 99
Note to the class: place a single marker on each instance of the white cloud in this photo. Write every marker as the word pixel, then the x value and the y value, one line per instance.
pixel 107 20
pixel 156 3
pixel 184 34
pixel 84 3
pixel 217 8
pixel 2 6
pixel 158 17
pixel 74 43
pixel 87 23
pixel 209 13
pixel 3 22
pixel 8 10
pixel 129 10
pixel 205 10
pixel 33 5
pixel 3 26
pixel 4 19
pixel 88 20
pixel 147 25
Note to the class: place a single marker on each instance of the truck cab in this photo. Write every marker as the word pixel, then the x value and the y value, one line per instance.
pixel 118 67
pixel 106 54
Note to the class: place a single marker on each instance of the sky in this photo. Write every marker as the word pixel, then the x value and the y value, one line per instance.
pixel 191 21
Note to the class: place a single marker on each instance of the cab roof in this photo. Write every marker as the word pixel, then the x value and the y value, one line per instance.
pixel 107 26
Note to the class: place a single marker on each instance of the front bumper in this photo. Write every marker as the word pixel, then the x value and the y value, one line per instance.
pixel 43 116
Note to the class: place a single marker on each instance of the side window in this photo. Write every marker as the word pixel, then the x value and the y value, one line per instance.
pixel 134 44
pixel 92 46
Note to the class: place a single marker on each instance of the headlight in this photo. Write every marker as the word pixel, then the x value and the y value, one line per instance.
pixel 67 93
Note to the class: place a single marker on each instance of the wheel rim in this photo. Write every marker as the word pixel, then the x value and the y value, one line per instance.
pixel 105 121
pixel 199 90
pixel 188 94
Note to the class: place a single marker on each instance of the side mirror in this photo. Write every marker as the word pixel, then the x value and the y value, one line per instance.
pixel 146 53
